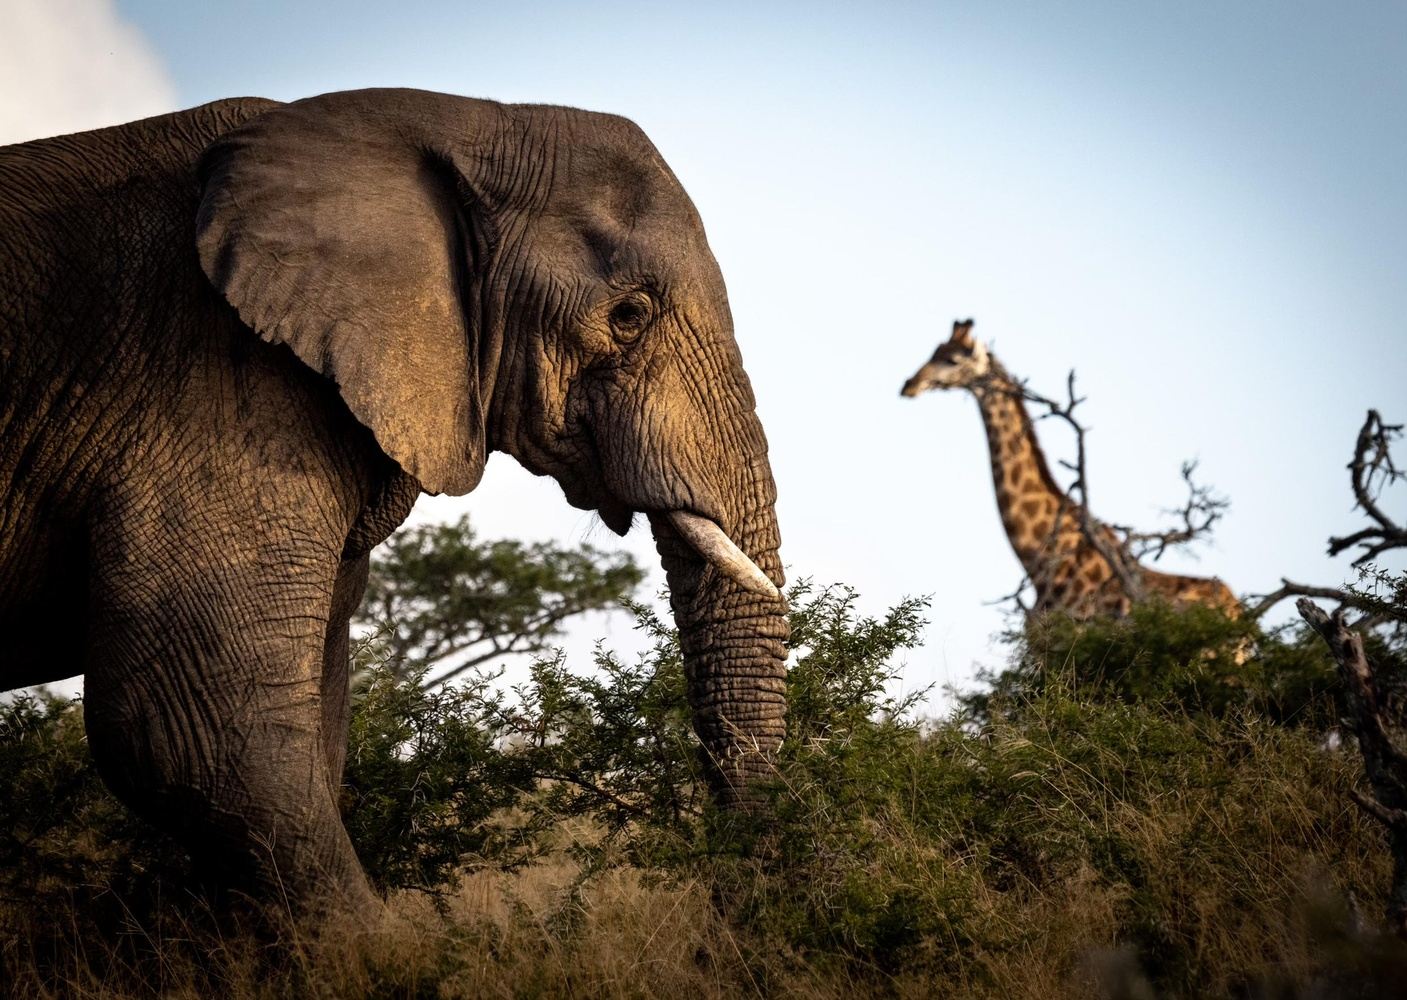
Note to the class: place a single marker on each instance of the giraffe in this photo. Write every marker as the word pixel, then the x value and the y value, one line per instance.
pixel 1068 573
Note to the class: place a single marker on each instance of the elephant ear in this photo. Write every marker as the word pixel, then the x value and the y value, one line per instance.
pixel 332 229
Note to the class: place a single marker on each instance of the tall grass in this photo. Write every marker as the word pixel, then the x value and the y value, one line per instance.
pixel 1062 835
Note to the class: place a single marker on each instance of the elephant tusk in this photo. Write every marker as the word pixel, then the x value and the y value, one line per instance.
pixel 709 540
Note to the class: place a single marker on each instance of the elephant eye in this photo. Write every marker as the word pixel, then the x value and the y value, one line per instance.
pixel 630 316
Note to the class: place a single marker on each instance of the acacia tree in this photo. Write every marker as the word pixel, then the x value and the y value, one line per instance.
pixel 442 601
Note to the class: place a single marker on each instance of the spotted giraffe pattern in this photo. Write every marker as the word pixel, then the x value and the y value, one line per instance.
pixel 1067 572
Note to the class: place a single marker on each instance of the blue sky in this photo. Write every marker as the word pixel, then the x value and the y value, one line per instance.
pixel 1201 207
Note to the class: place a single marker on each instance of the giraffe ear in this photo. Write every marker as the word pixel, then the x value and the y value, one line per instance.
pixel 962 333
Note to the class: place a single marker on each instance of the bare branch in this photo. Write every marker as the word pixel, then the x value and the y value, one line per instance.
pixel 1121 547
pixel 1016 598
pixel 1099 537
pixel 1370 471
pixel 1197 516
pixel 1289 588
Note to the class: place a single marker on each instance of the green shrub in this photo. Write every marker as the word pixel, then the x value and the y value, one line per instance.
pixel 1194 659
pixel 616 743
pixel 1178 817
pixel 60 828
pixel 428 780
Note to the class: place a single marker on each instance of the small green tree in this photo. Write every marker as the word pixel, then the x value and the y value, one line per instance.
pixel 432 769
pixel 440 599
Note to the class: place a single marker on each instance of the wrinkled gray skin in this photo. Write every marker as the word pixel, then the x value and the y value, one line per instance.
pixel 238 341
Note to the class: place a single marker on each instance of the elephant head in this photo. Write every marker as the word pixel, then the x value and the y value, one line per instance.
pixel 476 276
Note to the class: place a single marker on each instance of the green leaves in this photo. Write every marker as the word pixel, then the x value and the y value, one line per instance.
pixel 1194 660
pixel 427 778
pixel 843 666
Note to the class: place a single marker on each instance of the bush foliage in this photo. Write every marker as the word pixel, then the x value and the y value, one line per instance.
pixel 1126 804
pixel 1194 660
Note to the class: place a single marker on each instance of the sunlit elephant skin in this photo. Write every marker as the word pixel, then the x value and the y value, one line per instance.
pixel 238 341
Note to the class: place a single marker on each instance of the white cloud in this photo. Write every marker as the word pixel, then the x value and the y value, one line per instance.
pixel 70 65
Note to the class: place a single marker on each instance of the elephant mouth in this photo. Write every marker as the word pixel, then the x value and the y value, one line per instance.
pixel 616 515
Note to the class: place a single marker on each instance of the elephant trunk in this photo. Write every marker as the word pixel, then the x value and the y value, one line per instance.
pixel 733 637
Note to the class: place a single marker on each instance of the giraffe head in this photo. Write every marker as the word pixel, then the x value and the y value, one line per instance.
pixel 960 362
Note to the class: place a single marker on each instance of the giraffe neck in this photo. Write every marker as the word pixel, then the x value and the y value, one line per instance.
pixel 1034 510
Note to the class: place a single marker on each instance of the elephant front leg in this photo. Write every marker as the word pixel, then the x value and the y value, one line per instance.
pixel 206 712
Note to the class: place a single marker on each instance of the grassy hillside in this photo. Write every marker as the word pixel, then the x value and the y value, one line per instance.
pixel 1125 811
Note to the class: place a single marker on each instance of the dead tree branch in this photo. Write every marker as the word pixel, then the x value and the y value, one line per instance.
pixel 1122 547
pixel 1118 555
pixel 1370 471
pixel 1288 589
pixel 1017 598
pixel 1197 516
pixel 1378 736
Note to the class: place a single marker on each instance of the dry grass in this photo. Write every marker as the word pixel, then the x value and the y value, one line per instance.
pixel 548 931
pixel 536 933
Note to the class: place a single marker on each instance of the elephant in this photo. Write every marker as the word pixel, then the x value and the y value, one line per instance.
pixel 238 341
